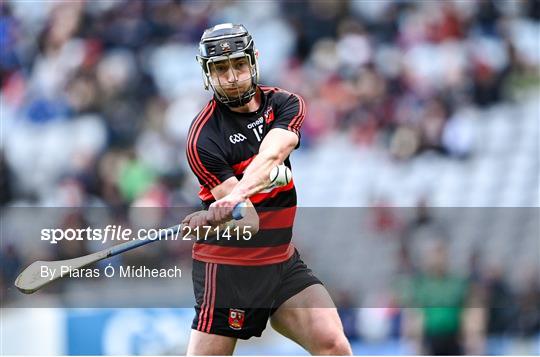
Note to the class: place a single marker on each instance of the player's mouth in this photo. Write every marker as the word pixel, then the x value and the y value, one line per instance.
pixel 233 90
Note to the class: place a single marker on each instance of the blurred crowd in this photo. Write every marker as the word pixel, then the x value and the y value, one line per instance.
pixel 436 306
pixel 97 96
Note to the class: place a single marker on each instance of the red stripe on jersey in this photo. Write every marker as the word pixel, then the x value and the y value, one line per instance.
pixel 209 178
pixel 198 161
pixel 211 253
pixel 268 89
pixel 202 312
pixel 205 194
pixel 297 121
pixel 213 298
pixel 283 218
pixel 241 166
pixel 189 151
pixel 263 196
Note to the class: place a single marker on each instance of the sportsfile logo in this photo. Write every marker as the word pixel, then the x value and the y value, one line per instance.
pixel 237 138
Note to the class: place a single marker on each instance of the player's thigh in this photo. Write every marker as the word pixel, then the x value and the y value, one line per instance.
pixel 311 319
pixel 205 344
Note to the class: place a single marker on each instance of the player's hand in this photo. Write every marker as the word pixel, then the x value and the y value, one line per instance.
pixel 196 219
pixel 221 210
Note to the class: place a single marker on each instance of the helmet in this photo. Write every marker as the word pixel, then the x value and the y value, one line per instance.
pixel 226 42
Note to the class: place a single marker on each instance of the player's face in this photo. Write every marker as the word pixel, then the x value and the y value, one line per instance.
pixel 231 77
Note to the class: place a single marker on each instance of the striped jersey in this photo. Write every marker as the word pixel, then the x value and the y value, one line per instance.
pixel 221 144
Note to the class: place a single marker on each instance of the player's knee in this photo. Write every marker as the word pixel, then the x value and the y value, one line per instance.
pixel 276 326
pixel 334 343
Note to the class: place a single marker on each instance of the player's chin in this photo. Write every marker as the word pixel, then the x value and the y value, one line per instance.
pixel 233 93
pixel 234 89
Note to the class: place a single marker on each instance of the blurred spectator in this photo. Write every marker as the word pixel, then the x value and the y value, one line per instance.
pixel 348 315
pixel 501 308
pixel 528 302
pixel 440 299
pixel 6 193
pixel 10 263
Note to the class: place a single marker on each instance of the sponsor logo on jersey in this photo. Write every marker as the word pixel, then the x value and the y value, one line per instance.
pixel 236 318
pixel 237 138
pixel 255 123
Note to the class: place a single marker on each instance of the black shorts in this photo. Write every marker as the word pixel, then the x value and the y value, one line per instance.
pixel 237 301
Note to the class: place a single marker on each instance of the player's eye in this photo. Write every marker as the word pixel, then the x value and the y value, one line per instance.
pixel 221 69
pixel 240 64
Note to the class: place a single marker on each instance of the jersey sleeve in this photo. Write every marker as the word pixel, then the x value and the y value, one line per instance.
pixel 290 114
pixel 207 164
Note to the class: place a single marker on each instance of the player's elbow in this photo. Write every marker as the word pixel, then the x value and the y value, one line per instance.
pixel 287 146
pixel 249 229
pixel 277 155
pixel 278 145
pixel 253 228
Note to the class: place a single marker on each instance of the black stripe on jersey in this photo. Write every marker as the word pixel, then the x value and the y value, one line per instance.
pixel 283 199
pixel 264 238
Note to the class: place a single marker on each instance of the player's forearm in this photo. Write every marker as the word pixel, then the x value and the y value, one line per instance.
pixel 256 177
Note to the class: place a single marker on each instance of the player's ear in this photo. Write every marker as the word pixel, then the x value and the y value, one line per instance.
pixel 256 53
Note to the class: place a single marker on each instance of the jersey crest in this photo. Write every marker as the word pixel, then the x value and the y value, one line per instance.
pixel 236 319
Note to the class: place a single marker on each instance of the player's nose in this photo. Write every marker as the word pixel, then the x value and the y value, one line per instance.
pixel 231 76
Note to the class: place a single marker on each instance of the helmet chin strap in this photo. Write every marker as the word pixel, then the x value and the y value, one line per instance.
pixel 240 101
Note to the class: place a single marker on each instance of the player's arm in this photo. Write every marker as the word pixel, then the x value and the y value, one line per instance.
pixel 282 138
pixel 276 146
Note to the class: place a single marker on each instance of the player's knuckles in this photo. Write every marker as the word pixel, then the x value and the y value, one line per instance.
pixel 208 215
pixel 195 221
pixel 199 221
pixel 219 215
pixel 192 224
pixel 203 220
pixel 190 216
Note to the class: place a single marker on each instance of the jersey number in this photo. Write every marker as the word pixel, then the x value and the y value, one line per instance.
pixel 258 132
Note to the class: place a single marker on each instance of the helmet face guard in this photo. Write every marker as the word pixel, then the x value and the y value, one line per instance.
pixel 228 42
